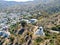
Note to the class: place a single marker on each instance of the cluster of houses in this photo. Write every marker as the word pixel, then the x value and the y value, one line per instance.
pixel 13 19
pixel 4 33
pixel 6 20
pixel 39 31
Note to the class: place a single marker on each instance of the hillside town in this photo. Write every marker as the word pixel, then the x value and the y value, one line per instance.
pixel 30 28
pixel 34 22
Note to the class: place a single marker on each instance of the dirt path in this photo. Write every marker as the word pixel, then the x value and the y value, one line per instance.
pixel 35 28
pixel 54 31
pixel 6 41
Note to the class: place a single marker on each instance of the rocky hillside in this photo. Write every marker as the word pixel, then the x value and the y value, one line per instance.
pixel 50 6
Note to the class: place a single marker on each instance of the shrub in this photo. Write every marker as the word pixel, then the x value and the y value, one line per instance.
pixel 38 39
pixel 57 28
pixel 54 28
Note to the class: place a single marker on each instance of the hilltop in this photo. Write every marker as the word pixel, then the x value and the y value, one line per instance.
pixel 50 6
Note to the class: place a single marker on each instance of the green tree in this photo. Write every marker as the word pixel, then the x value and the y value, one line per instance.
pixel 23 23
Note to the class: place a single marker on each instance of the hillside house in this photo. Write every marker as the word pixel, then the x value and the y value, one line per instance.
pixel 40 32
pixel 25 20
pixel 4 34
pixel 33 20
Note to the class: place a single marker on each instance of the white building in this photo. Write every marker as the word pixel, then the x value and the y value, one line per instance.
pixel 40 32
pixel 33 20
pixel 4 34
pixel 25 20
